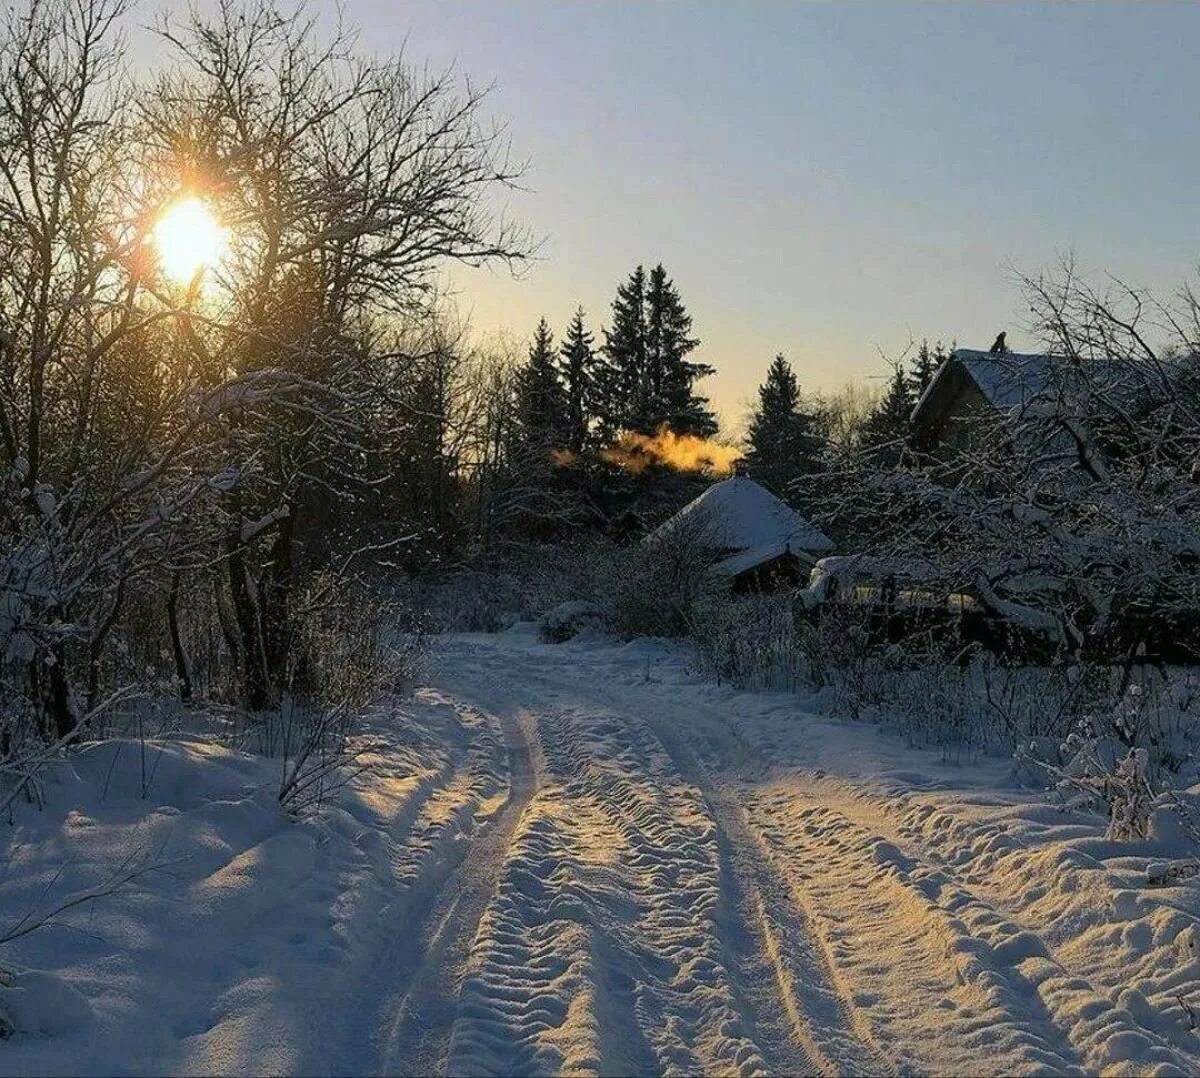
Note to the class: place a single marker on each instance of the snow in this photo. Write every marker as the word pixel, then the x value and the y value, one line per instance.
pixel 748 559
pixel 582 857
pixel 739 514
pixel 569 619
pixel 226 958
pixel 1011 380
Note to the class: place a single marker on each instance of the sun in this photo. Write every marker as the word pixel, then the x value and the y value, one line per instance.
pixel 188 239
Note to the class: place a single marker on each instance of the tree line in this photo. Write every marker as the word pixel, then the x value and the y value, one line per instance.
pixel 194 474
pixel 580 394
pixel 791 435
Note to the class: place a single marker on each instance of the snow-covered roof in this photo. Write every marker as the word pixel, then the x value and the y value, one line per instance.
pixel 759 555
pixel 1008 380
pixel 739 514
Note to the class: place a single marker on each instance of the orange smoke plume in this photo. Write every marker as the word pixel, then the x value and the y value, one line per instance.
pixel 564 458
pixel 683 452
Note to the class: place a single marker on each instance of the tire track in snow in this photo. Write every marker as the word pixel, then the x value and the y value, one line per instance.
pixel 418 819
pixel 413 849
pixel 824 1025
pixel 805 1021
pixel 423 852
pixel 600 952
pixel 995 944
pixel 417 1020
pixel 1019 987
pixel 981 951
pixel 984 972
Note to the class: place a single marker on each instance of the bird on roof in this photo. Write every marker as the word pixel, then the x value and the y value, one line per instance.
pixel 999 348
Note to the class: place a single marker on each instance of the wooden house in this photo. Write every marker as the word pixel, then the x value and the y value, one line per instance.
pixel 971 386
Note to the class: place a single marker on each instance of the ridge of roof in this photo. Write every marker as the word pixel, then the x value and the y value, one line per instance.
pixel 741 514
pixel 1006 379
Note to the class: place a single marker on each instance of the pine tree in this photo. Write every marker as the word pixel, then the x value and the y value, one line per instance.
pixel 646 379
pixel 923 369
pixel 577 376
pixel 886 431
pixel 540 402
pixel 672 375
pixel 926 365
pixel 784 439
pixel 620 379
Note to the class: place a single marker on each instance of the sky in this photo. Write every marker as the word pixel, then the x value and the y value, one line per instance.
pixel 825 180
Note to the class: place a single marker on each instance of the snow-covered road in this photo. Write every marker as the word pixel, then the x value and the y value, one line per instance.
pixel 586 858
pixel 678 878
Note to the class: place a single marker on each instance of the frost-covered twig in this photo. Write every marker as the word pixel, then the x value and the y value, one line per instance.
pixel 25 767
pixel 42 914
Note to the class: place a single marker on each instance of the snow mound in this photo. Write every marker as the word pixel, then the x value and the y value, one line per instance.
pixel 568 620
pixel 43 1004
pixel 228 954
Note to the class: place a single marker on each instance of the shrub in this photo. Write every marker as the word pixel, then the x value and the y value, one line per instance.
pixel 566 620
pixel 753 641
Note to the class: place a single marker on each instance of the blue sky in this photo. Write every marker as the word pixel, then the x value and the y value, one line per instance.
pixel 826 179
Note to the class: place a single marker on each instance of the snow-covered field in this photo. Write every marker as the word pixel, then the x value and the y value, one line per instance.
pixel 583 858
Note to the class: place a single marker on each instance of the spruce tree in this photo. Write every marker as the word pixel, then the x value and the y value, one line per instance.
pixel 784 438
pixel 926 365
pixel 540 402
pixel 886 431
pixel 619 381
pixel 577 376
pixel 671 376
pixel 646 379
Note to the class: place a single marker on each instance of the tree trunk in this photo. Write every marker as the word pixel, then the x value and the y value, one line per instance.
pixel 227 623
pixel 277 600
pixel 255 685
pixel 58 695
pixel 96 645
pixel 182 675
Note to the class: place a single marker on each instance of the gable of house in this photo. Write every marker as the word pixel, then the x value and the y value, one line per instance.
pixel 973 385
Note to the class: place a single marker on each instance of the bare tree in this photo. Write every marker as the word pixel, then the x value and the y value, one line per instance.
pixel 153 431
pixel 92 424
pixel 345 183
pixel 1075 514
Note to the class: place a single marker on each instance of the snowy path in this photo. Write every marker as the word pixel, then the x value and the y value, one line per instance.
pixel 672 886
pixel 583 858
pixel 438 946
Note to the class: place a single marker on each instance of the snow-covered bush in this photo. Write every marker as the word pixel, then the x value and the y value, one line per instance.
pixel 568 620
pixel 353 645
pixel 316 752
pixel 1064 515
pixel 753 641
pixel 972 699
pixel 1098 773
pixel 662 587
pixel 518 581
pixel 353 649
pixel 638 590
pixel 1131 744
pixel 475 600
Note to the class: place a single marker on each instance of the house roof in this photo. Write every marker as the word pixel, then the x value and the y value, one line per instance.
pixel 738 514
pixel 1012 381
pixel 1009 380
pixel 749 559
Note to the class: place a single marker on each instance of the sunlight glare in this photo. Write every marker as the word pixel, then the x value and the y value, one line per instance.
pixel 188 239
